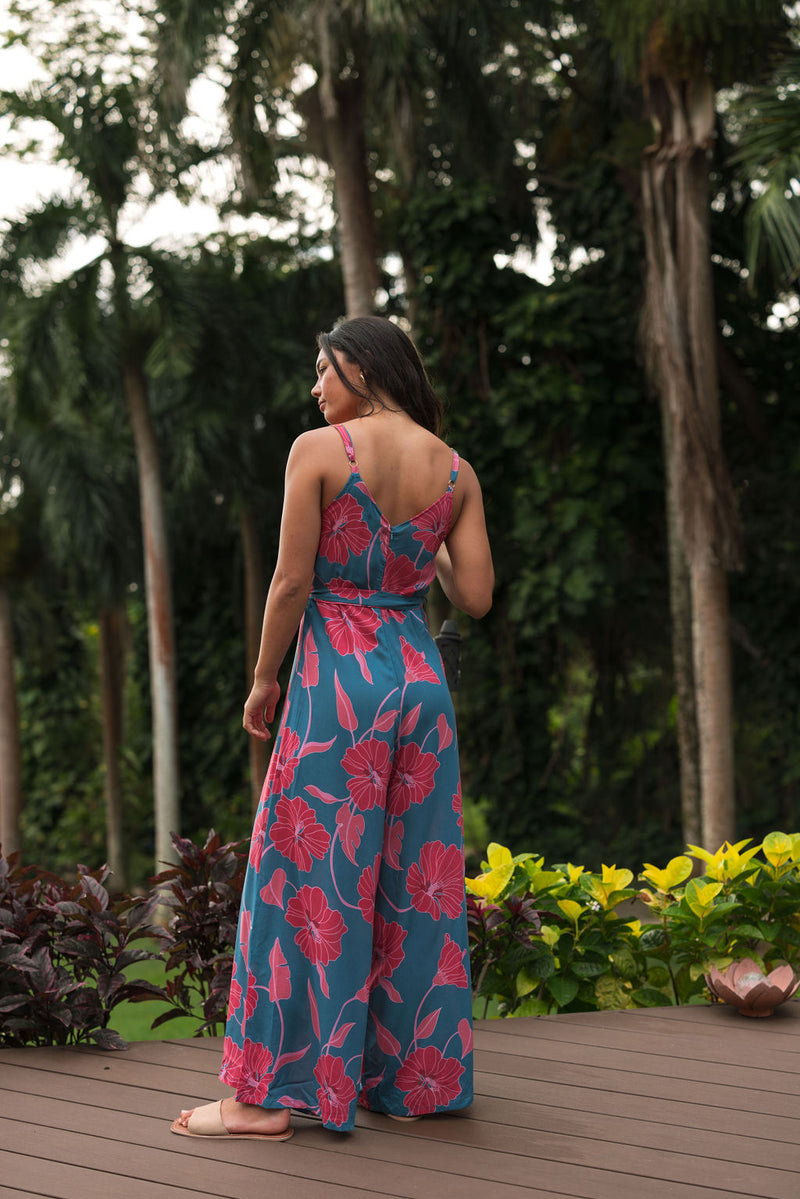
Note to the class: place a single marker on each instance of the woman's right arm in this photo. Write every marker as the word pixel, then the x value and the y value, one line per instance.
pixel 464 561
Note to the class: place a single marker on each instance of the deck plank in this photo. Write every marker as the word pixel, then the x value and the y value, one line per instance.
pixel 670 1103
pixel 712 1023
pixel 625 1106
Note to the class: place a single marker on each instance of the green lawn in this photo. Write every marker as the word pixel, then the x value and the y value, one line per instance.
pixel 132 1020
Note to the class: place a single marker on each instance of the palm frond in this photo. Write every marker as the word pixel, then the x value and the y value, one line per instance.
pixel 170 312
pixel 87 483
pixel 42 234
pixel 766 124
pixel 185 38
pixel 60 344
pixel 97 125
pixel 268 49
pixel 772 229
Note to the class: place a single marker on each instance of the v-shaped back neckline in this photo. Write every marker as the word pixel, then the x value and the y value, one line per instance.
pixel 356 473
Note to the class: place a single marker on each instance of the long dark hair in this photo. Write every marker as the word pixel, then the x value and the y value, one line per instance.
pixel 389 363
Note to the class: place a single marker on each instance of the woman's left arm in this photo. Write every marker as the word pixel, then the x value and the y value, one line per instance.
pixel 291 582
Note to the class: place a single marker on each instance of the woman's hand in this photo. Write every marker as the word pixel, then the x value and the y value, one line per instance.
pixel 259 710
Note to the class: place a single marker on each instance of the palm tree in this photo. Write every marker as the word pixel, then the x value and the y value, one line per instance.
pixel 683 58
pixel 271 42
pixel 98 127
pixel 381 74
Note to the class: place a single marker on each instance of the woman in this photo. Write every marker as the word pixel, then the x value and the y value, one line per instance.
pixel 351 977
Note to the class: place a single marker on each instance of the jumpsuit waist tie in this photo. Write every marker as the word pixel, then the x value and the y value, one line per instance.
pixel 369 599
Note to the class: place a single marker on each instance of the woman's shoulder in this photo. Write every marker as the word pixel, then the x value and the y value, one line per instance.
pixel 315 441
pixel 312 452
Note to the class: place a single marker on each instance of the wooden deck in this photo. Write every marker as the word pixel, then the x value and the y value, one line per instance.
pixel 668 1103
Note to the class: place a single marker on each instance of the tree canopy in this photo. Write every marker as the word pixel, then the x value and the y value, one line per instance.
pixel 454 141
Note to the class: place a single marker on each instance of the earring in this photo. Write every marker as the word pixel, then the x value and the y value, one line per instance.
pixel 361 375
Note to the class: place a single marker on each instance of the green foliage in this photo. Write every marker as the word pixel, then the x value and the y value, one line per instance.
pixel 547 940
pixel 740 908
pixel 63 818
pixel 567 703
pixel 566 686
pixel 686 35
pixel 765 127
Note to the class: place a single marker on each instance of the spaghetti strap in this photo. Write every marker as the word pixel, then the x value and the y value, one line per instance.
pixel 454 471
pixel 348 445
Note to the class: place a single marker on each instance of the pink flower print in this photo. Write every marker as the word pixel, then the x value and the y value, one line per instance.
pixel 280 983
pixel 458 808
pixel 255 1073
pixel 245 924
pixel 445 732
pixel 427 573
pixel 432 526
pixel 319 927
pixel 347 589
pixel 430 1080
pixel 412 778
pixel 336 1091
pixel 309 675
pixel 231 1063
pixel 343 533
pixel 273 891
pixel 350 825
pixel 235 994
pixel 400 575
pixel 297 834
pixel 367 888
pixel 387 949
pixel 250 996
pixel 257 842
pixel 417 669
pixel 451 970
pixel 393 843
pixel 436 882
pixel 350 628
pixel 287 762
pixel 368 765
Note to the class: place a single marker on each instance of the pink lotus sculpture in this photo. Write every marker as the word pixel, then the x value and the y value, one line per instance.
pixel 745 986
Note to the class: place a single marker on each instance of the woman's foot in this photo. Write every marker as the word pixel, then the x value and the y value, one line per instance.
pixel 241 1119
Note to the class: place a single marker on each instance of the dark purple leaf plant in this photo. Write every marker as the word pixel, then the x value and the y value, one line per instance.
pixel 65 950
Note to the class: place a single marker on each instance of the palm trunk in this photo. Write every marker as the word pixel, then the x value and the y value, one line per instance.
pixel 161 638
pixel 680 338
pixel 10 754
pixel 342 113
pixel 112 687
pixel 680 604
pixel 712 665
pixel 255 590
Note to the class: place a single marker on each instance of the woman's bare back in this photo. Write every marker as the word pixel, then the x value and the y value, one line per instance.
pixel 404 467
